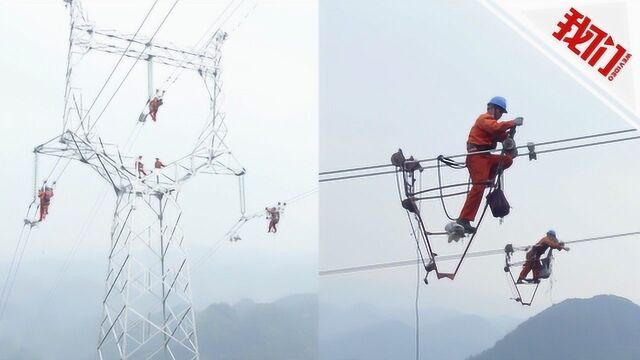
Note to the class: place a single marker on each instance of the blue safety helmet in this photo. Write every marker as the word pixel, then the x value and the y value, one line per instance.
pixel 551 233
pixel 500 102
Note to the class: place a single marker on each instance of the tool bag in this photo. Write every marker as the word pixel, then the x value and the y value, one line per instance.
pixel 498 202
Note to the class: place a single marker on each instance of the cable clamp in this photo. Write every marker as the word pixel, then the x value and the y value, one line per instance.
pixel 532 151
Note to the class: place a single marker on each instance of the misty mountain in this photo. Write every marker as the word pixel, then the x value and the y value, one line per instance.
pixel 283 330
pixel 602 327
pixel 444 334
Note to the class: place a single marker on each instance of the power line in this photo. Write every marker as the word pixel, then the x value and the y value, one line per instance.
pixel 371 167
pixel 134 64
pixel 104 85
pixel 80 236
pixel 589 144
pixel 545 143
pixel 394 264
pixel 11 278
pixel 301 196
pixel 8 286
pixel 173 77
pixel 119 61
pixel 76 244
pixel 237 226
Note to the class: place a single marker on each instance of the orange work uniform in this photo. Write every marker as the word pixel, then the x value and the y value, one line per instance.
pixel 140 169
pixel 274 216
pixel 154 105
pixel 533 257
pixel 45 199
pixel 484 135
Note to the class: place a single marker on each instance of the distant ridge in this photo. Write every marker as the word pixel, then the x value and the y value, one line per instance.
pixel 604 327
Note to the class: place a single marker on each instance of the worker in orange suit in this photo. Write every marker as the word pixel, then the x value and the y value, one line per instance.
pixel 140 167
pixel 483 168
pixel 154 105
pixel 273 215
pixel 158 164
pixel 533 256
pixel 45 196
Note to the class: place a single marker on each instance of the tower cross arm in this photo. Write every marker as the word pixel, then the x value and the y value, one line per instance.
pixel 103 158
pixel 112 42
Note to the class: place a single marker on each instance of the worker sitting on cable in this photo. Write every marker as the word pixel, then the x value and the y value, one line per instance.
pixel 533 256
pixel 45 196
pixel 140 167
pixel 273 214
pixel 483 168
pixel 154 105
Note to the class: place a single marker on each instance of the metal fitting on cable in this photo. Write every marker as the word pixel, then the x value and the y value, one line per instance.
pixel 508 144
pixel 532 151
pixel 508 249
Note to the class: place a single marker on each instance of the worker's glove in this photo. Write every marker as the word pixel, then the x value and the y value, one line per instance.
pixel 566 248
pixel 518 121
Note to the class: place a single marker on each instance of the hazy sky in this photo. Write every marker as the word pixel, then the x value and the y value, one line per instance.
pixel 270 100
pixel 416 76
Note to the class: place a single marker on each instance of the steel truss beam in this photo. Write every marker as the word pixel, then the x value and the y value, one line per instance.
pixel 147 306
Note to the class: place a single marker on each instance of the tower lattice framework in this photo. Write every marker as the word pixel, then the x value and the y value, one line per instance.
pixel 147 308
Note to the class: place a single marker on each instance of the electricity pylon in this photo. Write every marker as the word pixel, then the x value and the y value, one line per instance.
pixel 147 305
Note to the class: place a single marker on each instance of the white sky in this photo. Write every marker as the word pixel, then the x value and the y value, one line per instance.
pixel 416 76
pixel 270 98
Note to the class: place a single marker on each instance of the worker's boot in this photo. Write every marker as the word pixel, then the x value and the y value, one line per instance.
pixel 454 231
pixel 466 225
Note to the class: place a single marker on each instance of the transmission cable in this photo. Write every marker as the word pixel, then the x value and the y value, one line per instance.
pixel 239 224
pixel 394 264
pixel 356 169
pixel 119 61
pixel 134 64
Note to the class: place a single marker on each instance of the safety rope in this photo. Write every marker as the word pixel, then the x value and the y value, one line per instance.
pixel 417 309
pixel 454 165
pixel 413 231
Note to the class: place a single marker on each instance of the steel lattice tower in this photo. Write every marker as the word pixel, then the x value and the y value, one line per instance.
pixel 147 305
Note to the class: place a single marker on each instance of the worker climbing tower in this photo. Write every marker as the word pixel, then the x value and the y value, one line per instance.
pixel 147 308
